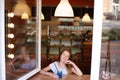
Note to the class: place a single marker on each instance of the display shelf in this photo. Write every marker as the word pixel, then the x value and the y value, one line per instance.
pixel 54 50
pixel 55 44
pixel 54 41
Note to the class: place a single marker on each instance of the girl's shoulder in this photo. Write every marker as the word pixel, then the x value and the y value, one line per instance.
pixel 55 62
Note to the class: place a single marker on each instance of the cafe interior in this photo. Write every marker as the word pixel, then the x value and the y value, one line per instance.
pixel 47 27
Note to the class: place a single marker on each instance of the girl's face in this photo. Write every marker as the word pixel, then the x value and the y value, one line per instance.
pixel 64 56
pixel 23 50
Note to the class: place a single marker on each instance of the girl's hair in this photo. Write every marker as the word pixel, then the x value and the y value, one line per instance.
pixel 18 50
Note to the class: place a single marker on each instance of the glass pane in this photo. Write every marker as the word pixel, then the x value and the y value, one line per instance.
pixel 21 37
pixel 110 48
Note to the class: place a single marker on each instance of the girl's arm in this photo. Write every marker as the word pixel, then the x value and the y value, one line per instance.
pixel 75 68
pixel 17 57
pixel 45 70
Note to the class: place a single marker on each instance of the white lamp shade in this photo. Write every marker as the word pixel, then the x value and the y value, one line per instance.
pixel 42 16
pixel 64 9
pixel 21 7
pixel 24 16
pixel 86 18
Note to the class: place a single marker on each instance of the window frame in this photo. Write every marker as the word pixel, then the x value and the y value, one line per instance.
pixel 97 32
pixel 2 43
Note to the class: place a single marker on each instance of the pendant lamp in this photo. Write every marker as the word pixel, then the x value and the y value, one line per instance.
pixel 86 18
pixel 64 9
pixel 42 16
pixel 22 9
pixel 24 16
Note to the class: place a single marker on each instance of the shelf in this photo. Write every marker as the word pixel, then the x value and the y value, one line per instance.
pixel 54 46
pixel 54 50
pixel 60 42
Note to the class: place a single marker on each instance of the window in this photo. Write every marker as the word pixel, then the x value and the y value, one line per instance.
pixel 19 29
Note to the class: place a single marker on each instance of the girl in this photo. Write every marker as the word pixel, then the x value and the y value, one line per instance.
pixel 64 64
pixel 23 61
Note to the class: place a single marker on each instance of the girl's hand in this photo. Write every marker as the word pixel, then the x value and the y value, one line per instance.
pixel 54 76
pixel 69 62
pixel 75 69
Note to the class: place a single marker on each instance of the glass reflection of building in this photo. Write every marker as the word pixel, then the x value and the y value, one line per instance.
pixel 110 46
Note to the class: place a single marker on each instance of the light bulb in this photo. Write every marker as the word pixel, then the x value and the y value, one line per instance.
pixel 11 14
pixel 10 25
pixel 10 35
pixel 11 56
pixel 11 46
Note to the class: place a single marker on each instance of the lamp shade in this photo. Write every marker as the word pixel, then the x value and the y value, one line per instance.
pixel 21 7
pixel 86 18
pixel 64 9
pixel 42 16
pixel 24 16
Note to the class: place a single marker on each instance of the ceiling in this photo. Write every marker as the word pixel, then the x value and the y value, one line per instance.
pixel 89 3
pixel 74 3
pixel 77 3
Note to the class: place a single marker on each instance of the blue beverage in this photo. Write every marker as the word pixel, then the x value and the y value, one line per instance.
pixel 59 73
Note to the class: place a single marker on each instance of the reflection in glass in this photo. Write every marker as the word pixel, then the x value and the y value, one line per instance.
pixel 10 25
pixel 20 38
pixel 10 35
pixel 110 46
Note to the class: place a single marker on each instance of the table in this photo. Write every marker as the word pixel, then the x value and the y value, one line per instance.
pixel 65 77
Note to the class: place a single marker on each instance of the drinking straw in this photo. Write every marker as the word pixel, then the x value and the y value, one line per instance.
pixel 56 67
